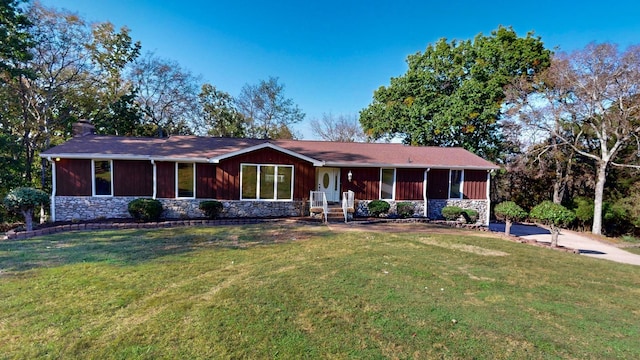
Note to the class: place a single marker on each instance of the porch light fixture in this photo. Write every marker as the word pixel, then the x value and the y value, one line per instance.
pixel 349 176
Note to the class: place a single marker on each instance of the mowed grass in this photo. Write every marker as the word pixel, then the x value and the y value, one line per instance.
pixel 291 291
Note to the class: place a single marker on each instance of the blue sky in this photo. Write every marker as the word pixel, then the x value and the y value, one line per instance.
pixel 331 55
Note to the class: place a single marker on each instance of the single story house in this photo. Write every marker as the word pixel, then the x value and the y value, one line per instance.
pixel 97 176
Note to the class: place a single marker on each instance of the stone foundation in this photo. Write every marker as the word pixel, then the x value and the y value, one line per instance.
pixel 434 208
pixel 77 208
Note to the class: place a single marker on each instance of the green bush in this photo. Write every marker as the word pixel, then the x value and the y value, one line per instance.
pixel 405 209
pixel 145 209
pixel 509 212
pixel 24 200
pixel 211 208
pixel 554 215
pixel 451 213
pixel 470 215
pixel 378 207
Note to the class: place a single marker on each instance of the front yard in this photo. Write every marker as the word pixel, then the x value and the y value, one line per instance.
pixel 307 291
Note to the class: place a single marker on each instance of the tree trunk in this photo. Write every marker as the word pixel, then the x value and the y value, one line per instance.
pixel 28 219
pixel 555 231
pixel 598 198
pixel 507 227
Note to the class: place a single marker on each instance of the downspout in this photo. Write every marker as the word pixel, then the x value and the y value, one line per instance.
pixel 155 179
pixel 54 185
pixel 488 215
pixel 424 193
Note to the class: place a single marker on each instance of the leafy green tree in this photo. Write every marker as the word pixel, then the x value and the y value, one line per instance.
pixel 510 212
pixel 452 94
pixel 268 112
pixel 25 200
pixel 554 215
pixel 15 38
pixel 220 114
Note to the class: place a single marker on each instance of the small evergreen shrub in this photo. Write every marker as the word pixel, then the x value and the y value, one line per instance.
pixel 405 209
pixel 145 209
pixel 211 208
pixel 378 207
pixel 24 200
pixel 451 213
pixel 509 212
pixel 470 215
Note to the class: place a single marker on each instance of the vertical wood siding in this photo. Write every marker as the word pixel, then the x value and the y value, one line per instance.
pixel 438 184
pixel 132 178
pixel 365 183
pixel 166 173
pixel 73 177
pixel 475 184
pixel 206 181
pixel 409 184
pixel 227 180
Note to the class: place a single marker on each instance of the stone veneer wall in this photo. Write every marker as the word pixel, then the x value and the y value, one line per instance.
pixel 69 208
pixel 434 208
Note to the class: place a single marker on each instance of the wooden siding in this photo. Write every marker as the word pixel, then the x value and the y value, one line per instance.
pixel 132 178
pixel 166 173
pixel 205 181
pixel 438 184
pixel 475 184
pixel 409 184
pixel 365 183
pixel 73 177
pixel 227 180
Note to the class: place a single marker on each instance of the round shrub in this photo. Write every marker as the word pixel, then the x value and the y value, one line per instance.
pixel 451 213
pixel 554 215
pixel 145 209
pixel 378 207
pixel 470 215
pixel 509 211
pixel 405 209
pixel 24 200
pixel 211 208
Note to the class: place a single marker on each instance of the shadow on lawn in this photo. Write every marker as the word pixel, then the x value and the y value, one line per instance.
pixel 130 247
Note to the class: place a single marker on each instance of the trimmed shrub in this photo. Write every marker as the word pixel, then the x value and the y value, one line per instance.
pixel 378 207
pixel 451 213
pixel 145 209
pixel 554 215
pixel 509 212
pixel 405 209
pixel 24 200
pixel 470 215
pixel 211 208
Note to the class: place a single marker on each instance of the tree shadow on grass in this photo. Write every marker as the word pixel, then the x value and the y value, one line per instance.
pixel 131 247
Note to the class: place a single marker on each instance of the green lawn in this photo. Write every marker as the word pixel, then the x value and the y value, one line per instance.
pixel 295 291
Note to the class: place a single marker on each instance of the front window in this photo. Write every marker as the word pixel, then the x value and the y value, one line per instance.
pixel 455 184
pixel 185 180
pixel 102 178
pixel 266 182
pixel 387 179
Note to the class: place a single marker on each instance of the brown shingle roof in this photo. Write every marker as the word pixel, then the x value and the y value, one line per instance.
pixel 194 148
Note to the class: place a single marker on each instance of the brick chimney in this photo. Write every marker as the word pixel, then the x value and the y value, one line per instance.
pixel 83 128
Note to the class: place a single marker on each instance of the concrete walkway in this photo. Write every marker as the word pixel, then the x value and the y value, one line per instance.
pixel 573 240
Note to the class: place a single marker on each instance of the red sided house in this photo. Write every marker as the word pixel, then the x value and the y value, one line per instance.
pixel 97 176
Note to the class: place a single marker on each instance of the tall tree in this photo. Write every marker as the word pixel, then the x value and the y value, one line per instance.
pixel 220 114
pixel 596 91
pixel 167 96
pixel 269 113
pixel 452 94
pixel 15 38
pixel 342 128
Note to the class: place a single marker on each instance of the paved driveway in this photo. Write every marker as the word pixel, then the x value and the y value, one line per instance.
pixel 573 240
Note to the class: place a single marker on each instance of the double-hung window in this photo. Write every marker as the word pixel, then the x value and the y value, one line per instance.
pixel 456 178
pixel 387 184
pixel 102 177
pixel 266 182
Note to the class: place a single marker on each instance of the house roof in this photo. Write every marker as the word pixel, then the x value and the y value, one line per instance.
pixel 215 149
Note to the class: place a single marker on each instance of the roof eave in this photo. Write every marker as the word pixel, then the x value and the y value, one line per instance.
pixel 269 145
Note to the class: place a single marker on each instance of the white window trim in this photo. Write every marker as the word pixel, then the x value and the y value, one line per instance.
pixel 461 184
pixel 93 177
pixel 275 188
pixel 194 181
pixel 393 186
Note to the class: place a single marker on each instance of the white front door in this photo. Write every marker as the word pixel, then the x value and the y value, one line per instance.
pixel 329 183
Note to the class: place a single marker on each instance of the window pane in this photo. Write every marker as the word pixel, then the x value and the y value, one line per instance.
pixel 267 180
pixel 103 177
pixel 456 180
pixel 185 180
pixel 284 183
pixel 386 191
pixel 249 181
